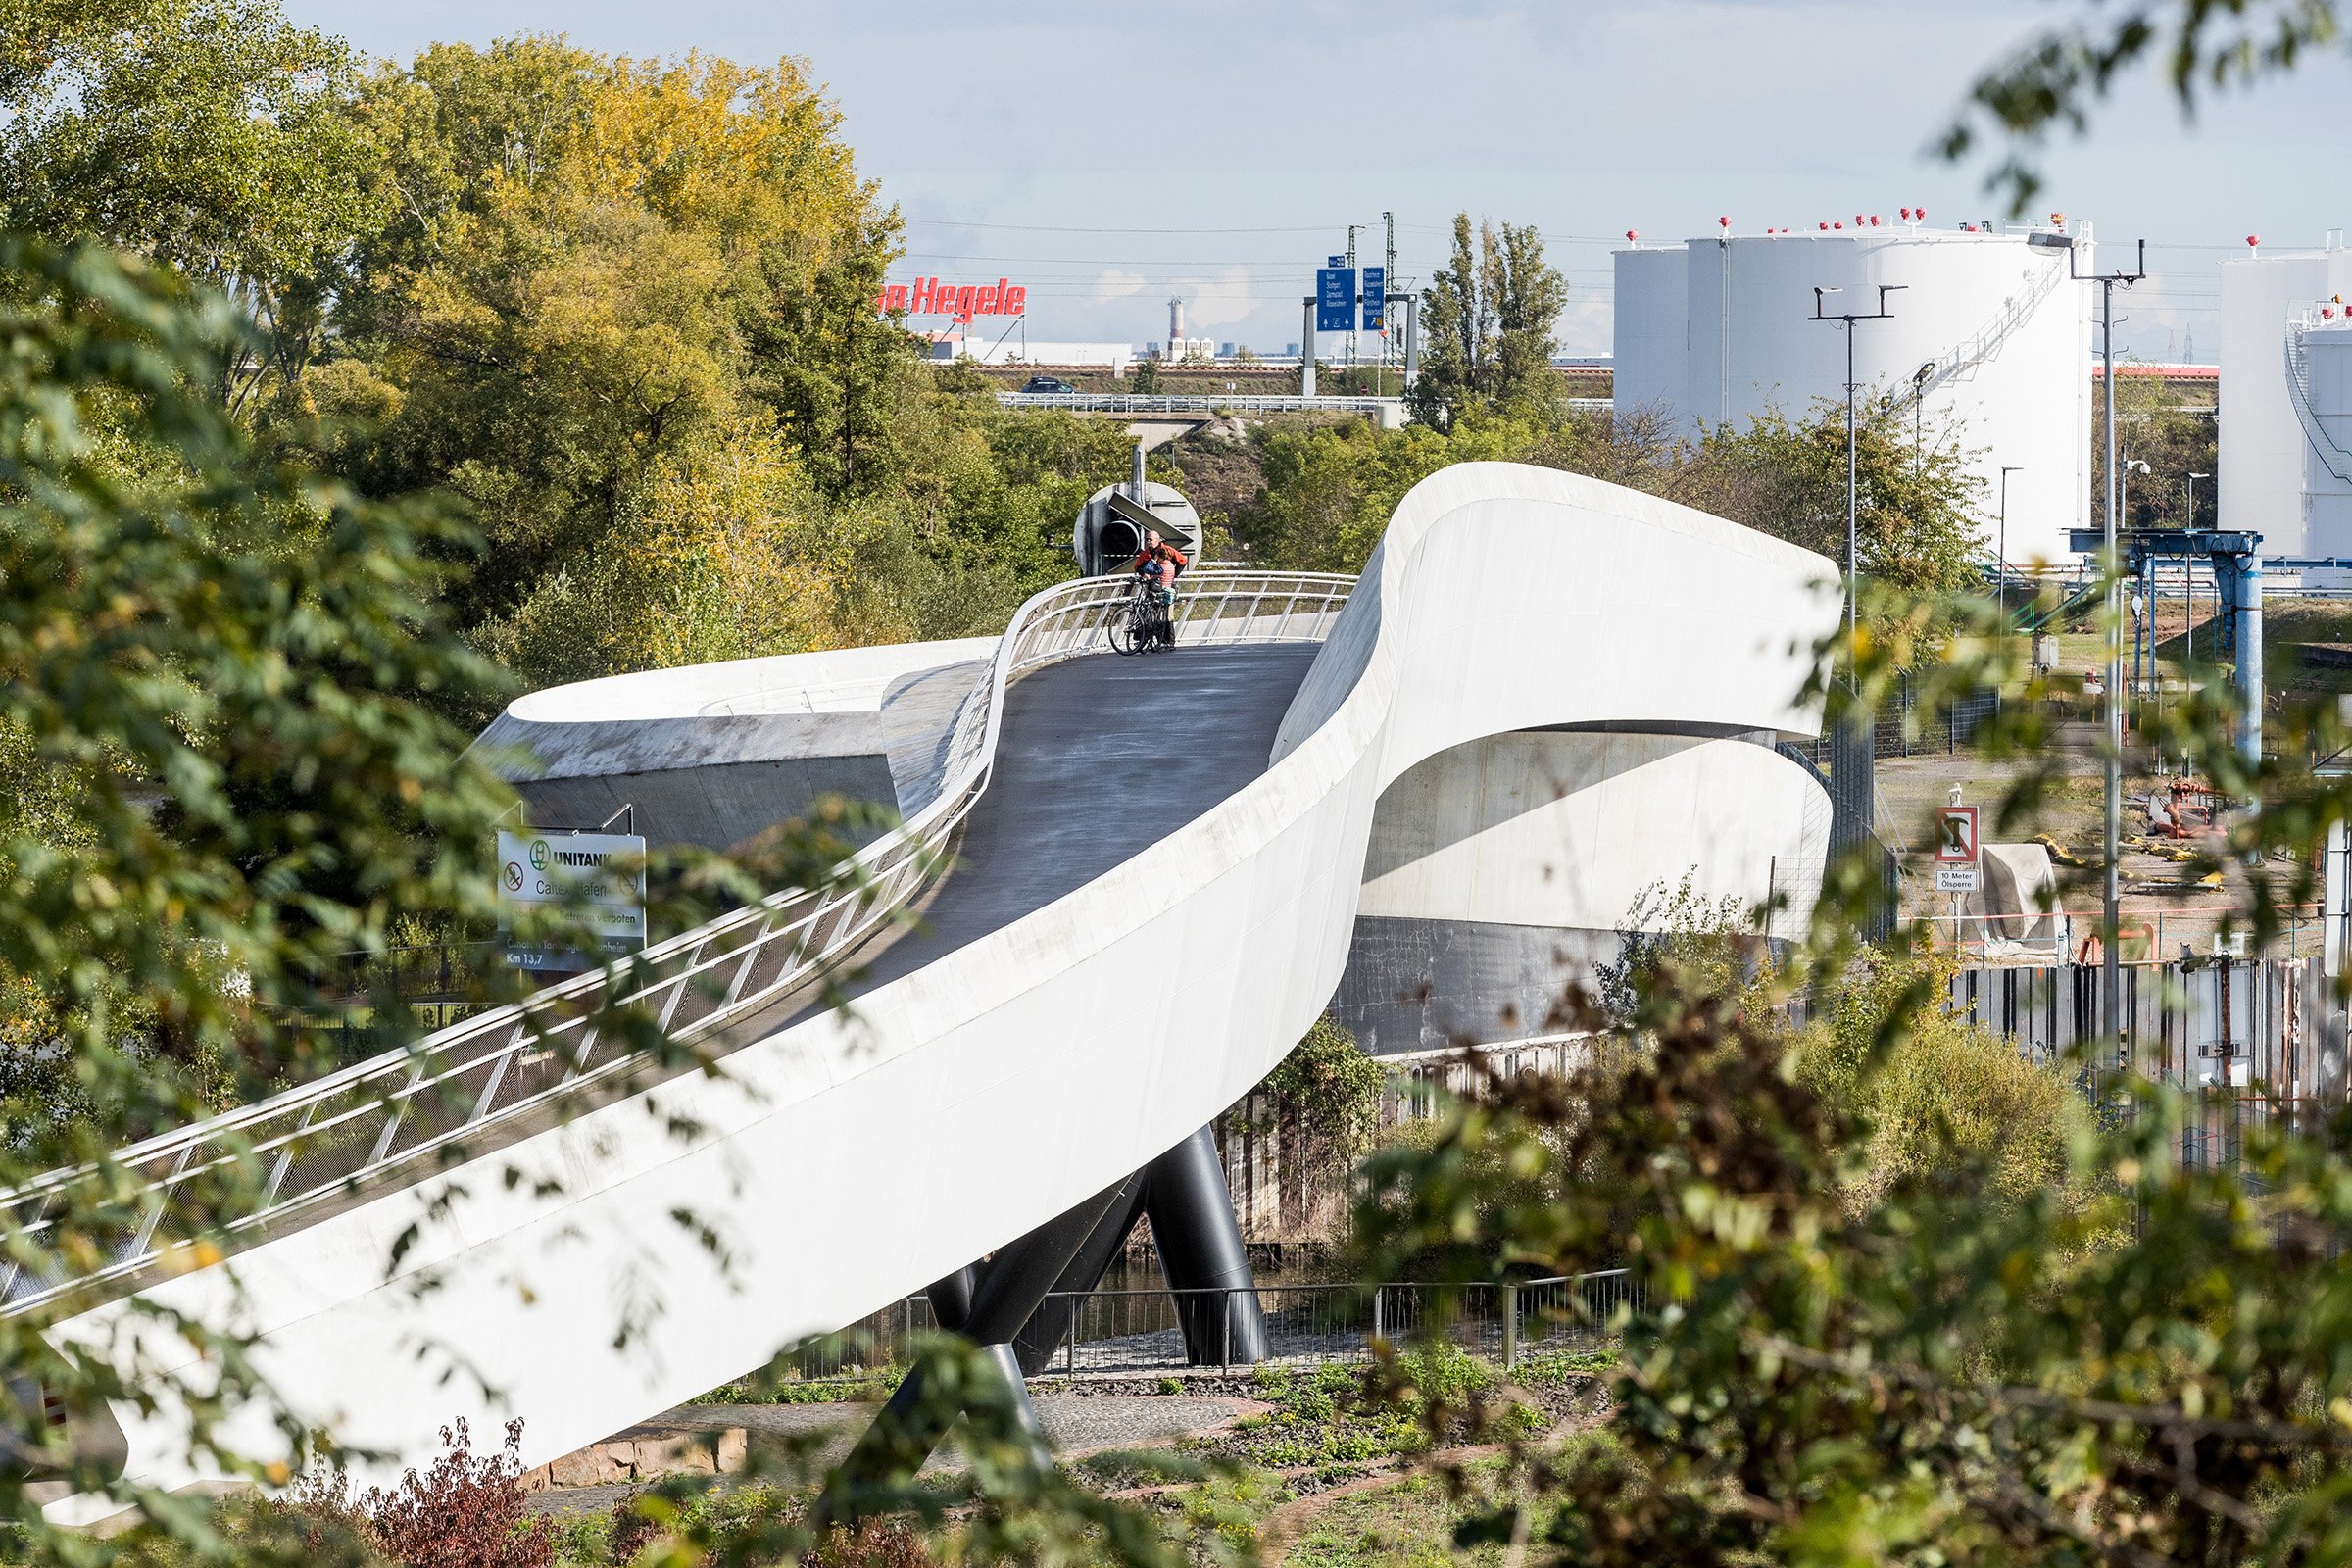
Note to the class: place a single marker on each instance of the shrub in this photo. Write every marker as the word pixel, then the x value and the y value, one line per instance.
pixel 461 1511
pixel 875 1544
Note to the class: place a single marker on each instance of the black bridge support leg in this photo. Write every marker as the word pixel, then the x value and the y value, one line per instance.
pixel 922 1409
pixel 1054 1317
pixel 1201 1252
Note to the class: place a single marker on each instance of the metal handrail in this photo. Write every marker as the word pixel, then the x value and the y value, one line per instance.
pixel 2298 385
pixel 1961 360
pixel 493 1067
pixel 1199 401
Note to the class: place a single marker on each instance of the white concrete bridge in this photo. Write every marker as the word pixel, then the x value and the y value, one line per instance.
pixel 1544 692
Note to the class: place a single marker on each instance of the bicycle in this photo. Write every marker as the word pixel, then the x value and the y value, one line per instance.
pixel 1142 623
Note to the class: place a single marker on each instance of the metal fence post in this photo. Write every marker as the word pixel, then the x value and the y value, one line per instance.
pixel 1378 1331
pixel 1510 1326
pixel 1226 1353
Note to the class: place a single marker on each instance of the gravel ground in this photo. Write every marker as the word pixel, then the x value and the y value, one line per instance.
pixel 1076 1424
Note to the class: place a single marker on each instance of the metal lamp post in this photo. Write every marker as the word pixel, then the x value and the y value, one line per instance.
pixel 2007 469
pixel 2111 975
pixel 1851 760
pixel 2188 497
pixel 2124 493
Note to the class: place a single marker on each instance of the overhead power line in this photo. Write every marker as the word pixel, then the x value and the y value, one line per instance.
pixel 1069 229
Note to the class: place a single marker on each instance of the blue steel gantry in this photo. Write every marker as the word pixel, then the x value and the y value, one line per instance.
pixel 2234 557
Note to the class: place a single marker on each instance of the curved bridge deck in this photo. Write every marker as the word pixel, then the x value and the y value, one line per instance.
pixel 1100 758
pixel 1151 901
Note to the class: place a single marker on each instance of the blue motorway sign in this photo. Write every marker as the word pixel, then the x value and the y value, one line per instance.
pixel 1376 304
pixel 1335 299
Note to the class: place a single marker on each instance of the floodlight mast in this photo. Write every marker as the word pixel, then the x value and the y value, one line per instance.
pixel 1848 319
pixel 2001 568
pixel 1852 763
pixel 2111 976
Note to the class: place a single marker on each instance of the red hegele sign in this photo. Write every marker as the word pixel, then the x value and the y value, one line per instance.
pixel 928 296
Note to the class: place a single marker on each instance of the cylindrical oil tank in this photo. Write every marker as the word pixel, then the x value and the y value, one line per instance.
pixel 1994 319
pixel 1647 335
pixel 2327 451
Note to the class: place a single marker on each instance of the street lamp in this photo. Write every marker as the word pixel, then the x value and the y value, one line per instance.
pixel 2189 496
pixel 2111 975
pixel 2007 469
pixel 1851 760
pixel 1919 416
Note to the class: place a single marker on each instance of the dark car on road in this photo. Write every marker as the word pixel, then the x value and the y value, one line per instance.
pixel 1048 383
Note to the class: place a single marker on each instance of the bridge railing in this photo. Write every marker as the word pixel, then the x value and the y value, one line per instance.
pixel 358 1123
pixel 1196 401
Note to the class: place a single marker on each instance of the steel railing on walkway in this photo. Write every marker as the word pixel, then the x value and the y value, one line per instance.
pixel 359 1122
pixel 1205 403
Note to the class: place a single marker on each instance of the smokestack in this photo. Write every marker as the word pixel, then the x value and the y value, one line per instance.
pixel 1136 485
pixel 1175 326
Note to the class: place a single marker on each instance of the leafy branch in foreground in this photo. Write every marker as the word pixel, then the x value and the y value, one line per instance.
pixel 1907 1297
pixel 2203 46
pixel 220 687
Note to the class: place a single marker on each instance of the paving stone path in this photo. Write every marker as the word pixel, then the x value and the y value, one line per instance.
pixel 1077 1425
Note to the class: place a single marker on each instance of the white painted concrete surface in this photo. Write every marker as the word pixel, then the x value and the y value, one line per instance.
pixel 837 1165
pixel 1568 829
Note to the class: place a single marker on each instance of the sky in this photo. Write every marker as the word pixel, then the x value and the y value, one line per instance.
pixel 1110 155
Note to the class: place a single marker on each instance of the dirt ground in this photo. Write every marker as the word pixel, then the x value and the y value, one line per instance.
pixel 2181 902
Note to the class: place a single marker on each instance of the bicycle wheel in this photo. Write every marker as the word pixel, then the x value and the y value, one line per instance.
pixel 1120 630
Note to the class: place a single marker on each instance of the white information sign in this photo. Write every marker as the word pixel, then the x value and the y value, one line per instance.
pixel 1958 879
pixel 545 865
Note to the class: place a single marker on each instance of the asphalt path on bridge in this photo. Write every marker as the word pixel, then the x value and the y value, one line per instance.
pixel 1098 760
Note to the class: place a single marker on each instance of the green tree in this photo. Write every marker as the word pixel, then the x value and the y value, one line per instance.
pixel 1330 489
pixel 212 137
pixel 212 670
pixel 1917 504
pixel 2154 428
pixel 1489 316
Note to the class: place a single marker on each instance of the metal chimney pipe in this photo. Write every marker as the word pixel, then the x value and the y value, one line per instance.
pixel 1134 486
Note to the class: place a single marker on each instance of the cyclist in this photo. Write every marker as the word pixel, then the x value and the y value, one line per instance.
pixel 1159 562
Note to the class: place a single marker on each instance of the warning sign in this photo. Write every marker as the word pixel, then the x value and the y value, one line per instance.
pixel 1955 835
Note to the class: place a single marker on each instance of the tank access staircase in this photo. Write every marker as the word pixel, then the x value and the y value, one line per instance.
pixel 2298 389
pixel 1960 363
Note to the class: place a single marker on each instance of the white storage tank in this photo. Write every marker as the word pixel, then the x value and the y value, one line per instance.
pixel 2323 337
pixel 1649 334
pixel 1988 324
pixel 2264 449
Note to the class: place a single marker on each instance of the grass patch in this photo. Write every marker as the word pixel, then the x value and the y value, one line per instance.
pixel 1323 1418
pixel 1410 1524
pixel 1556 1369
pixel 870 1387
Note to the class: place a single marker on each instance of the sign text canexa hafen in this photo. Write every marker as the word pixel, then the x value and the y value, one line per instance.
pixel 928 296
